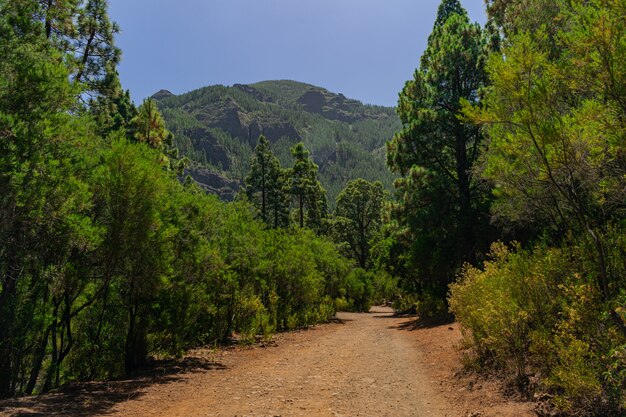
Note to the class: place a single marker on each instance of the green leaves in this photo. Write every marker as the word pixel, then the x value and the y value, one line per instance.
pixel 358 217
pixel 554 118
pixel 554 124
pixel 266 185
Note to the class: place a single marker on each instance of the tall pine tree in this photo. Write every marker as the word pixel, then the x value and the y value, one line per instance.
pixel 307 191
pixel 434 152
pixel 265 185
pixel 359 217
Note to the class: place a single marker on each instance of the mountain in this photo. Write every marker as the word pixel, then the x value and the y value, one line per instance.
pixel 217 127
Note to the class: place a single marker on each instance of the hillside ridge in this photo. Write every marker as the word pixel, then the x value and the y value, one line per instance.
pixel 218 126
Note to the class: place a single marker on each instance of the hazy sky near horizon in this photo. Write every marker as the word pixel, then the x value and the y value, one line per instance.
pixel 365 49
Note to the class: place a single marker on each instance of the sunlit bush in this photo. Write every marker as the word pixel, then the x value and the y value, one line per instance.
pixel 538 316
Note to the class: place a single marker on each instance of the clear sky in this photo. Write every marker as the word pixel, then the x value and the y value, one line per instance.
pixel 365 49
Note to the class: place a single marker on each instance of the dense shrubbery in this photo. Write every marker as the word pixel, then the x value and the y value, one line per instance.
pixel 162 269
pixel 539 316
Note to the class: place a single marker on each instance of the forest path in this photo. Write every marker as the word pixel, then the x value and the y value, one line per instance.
pixel 372 364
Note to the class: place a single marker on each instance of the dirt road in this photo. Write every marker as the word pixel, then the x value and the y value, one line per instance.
pixel 363 365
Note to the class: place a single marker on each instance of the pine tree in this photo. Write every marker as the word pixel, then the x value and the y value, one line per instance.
pixel 148 127
pixel 278 197
pixel 59 19
pixel 359 217
pixel 114 109
pixel 96 55
pixel 265 184
pixel 83 31
pixel 41 200
pixel 306 189
pixel 435 151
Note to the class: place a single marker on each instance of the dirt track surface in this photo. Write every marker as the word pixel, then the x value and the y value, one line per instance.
pixel 362 365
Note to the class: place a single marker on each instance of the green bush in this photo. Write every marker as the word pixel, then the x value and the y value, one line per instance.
pixel 430 307
pixel 251 318
pixel 405 304
pixel 342 304
pixel 539 316
pixel 385 287
pixel 358 290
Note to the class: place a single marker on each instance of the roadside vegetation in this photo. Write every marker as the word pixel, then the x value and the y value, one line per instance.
pixel 514 134
pixel 508 208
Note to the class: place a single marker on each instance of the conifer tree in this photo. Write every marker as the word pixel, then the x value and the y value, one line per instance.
pixel 82 30
pixel 96 55
pixel 59 19
pixel 114 109
pixel 148 127
pixel 434 152
pixel 36 196
pixel 308 192
pixel 278 197
pixel 265 184
pixel 359 217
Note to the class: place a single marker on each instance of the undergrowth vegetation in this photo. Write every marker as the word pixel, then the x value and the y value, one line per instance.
pixel 537 315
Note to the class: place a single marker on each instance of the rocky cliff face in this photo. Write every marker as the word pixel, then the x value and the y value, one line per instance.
pixel 215 183
pixel 206 142
pixel 331 106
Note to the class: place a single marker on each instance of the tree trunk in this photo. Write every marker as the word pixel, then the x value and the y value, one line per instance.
pixel 86 54
pixel 129 346
pixel 263 191
pixel 48 20
pixel 301 210
pixel 465 204
pixel 7 313
pixel 37 362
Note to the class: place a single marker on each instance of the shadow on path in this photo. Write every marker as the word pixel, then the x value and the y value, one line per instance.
pixel 100 397
pixel 340 320
pixel 415 323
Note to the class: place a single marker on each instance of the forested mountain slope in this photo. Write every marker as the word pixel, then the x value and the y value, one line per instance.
pixel 217 127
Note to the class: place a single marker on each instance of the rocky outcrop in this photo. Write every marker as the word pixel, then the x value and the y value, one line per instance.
pixel 246 126
pixel 161 95
pixel 215 183
pixel 272 128
pixel 224 115
pixel 254 93
pixel 331 106
pixel 313 101
pixel 205 141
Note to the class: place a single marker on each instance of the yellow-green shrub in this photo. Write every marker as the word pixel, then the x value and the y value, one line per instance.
pixel 538 313
pixel 251 318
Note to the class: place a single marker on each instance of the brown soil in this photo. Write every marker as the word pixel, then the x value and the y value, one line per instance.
pixel 362 365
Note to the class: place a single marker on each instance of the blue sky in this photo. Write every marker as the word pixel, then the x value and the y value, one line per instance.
pixel 365 49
